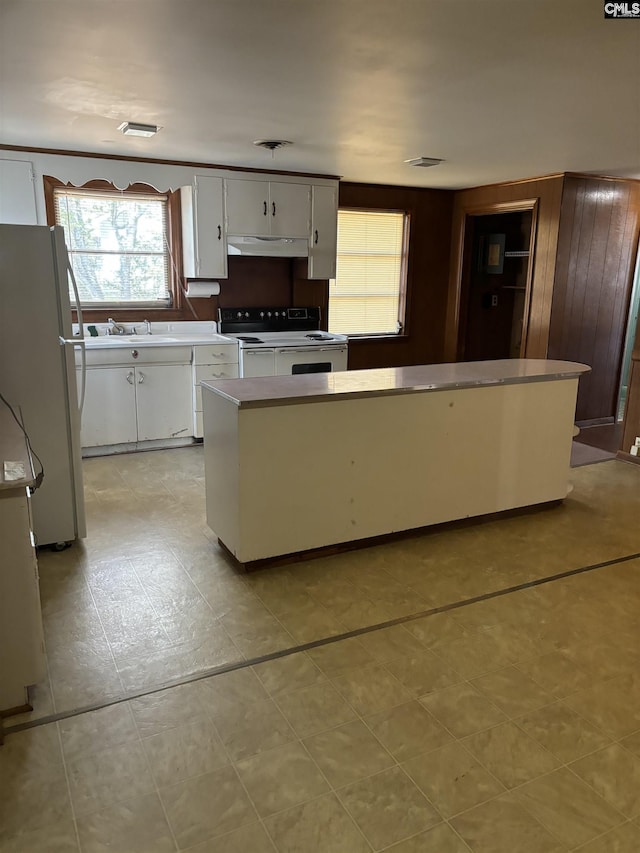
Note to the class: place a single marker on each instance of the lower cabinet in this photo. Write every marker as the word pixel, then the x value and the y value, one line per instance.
pixel 142 403
pixel 163 401
pixel 210 363
pixel 109 412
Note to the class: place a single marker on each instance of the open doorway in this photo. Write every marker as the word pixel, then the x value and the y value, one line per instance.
pixel 496 283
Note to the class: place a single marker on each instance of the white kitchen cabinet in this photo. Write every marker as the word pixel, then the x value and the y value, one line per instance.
pixel 204 239
pixel 109 413
pixel 324 232
pixel 17 193
pixel 267 208
pixel 163 401
pixel 129 399
pixel 290 209
pixel 211 361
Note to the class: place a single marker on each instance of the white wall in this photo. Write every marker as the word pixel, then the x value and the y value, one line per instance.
pixel 17 190
pixel 17 187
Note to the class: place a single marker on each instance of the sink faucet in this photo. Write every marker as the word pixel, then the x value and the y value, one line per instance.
pixel 117 328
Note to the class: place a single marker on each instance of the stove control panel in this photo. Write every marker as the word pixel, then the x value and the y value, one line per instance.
pixel 268 319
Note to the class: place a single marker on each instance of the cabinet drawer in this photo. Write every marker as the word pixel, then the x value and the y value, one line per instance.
pixel 124 355
pixel 215 354
pixel 205 372
pixel 208 372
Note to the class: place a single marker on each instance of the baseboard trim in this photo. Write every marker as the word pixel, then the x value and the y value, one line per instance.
pixel 592 422
pixel 627 457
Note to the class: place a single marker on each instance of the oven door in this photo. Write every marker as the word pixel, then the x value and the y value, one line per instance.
pixel 257 362
pixel 313 359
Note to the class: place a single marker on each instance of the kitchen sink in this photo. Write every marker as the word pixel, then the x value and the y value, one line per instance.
pixel 147 339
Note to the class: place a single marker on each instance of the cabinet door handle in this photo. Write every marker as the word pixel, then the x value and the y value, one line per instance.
pixel 315 237
pixel 140 378
pixel 219 232
pixel 265 208
pixel 274 208
pixel 130 377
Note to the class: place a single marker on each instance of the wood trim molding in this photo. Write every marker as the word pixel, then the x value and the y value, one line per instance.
pixel 61 152
pixel 517 206
pixel 627 457
pixel 593 177
pixel 501 184
pixel 529 282
pixel 461 254
pixel 176 277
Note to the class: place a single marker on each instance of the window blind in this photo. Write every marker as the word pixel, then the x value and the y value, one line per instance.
pixel 117 245
pixel 366 295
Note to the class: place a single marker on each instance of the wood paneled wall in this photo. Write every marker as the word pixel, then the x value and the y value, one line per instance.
pixel 597 247
pixel 548 193
pixel 427 274
pixel 254 282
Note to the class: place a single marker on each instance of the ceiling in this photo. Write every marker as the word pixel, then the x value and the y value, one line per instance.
pixel 499 89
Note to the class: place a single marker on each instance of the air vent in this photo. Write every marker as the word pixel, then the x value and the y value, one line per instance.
pixel 132 128
pixel 424 161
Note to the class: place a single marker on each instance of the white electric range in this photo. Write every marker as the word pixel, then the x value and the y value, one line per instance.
pixel 282 341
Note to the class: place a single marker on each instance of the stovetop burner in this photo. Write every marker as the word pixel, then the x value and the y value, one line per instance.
pixel 250 340
pixel 319 336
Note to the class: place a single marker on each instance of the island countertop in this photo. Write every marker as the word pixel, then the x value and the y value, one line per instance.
pixel 350 384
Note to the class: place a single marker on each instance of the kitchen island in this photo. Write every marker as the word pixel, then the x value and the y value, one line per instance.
pixel 298 463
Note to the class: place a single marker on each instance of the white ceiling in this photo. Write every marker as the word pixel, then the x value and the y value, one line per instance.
pixel 500 89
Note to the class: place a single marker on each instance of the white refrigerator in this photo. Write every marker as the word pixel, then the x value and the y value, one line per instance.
pixel 37 371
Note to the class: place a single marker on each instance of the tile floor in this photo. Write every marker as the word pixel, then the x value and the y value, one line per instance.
pixel 511 724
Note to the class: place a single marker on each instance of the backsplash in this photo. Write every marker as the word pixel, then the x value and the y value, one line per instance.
pixel 176 326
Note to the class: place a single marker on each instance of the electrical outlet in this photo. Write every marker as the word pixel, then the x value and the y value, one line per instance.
pixel 494 300
pixel 637 441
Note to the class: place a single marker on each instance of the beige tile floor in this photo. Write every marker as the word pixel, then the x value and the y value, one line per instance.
pixel 511 724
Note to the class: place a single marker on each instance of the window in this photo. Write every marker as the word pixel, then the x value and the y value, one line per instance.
pixel 367 295
pixel 118 245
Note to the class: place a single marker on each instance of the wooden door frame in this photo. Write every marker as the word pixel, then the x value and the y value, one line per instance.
pixel 461 269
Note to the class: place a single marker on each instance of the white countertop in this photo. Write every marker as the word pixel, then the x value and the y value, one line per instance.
pixel 159 339
pixel 316 387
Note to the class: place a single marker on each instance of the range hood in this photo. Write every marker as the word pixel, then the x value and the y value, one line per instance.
pixel 270 247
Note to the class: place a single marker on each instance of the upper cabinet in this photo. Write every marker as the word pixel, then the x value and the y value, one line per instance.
pixel 324 232
pixel 203 228
pixel 268 208
pixel 17 195
pixel 215 206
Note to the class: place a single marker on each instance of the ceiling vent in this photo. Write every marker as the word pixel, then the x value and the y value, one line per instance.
pixel 132 128
pixel 423 161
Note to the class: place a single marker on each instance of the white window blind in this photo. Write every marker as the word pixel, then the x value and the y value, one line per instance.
pixel 117 246
pixel 367 295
